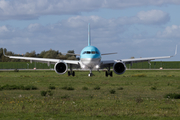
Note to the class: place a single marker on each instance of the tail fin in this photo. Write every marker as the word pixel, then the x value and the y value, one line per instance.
pixel 89 36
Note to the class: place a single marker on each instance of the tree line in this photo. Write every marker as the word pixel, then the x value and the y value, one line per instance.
pixel 44 54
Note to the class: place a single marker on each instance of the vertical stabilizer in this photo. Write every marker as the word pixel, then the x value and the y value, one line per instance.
pixel 89 36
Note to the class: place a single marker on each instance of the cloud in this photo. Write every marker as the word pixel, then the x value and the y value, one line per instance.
pixel 146 17
pixel 3 29
pixel 76 28
pixel 143 17
pixel 121 4
pixel 170 32
pixel 32 9
pixel 153 17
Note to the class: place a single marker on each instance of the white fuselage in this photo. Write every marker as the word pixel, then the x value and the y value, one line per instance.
pixel 90 58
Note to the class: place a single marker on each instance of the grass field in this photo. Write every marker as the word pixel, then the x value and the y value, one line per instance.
pixel 137 95
pixel 141 65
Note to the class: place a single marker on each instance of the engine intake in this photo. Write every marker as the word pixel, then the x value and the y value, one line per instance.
pixel 60 68
pixel 119 68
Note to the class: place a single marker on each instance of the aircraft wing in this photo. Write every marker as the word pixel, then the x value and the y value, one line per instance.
pixel 44 60
pixel 130 61
pixel 135 60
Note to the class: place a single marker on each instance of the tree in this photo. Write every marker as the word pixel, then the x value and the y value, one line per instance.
pixel 51 54
pixel 31 54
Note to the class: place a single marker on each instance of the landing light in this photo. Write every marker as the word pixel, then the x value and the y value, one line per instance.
pixel 83 66
pixel 97 66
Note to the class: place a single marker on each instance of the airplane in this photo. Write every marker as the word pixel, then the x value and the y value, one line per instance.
pixel 90 58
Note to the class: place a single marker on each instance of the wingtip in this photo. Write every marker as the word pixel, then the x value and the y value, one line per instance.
pixel 4 52
pixel 175 51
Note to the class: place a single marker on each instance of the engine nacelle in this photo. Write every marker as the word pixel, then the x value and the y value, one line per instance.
pixel 119 68
pixel 60 67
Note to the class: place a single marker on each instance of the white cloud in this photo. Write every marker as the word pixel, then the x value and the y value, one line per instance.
pixel 75 28
pixel 121 4
pixel 153 17
pixel 146 17
pixel 3 29
pixel 32 9
pixel 170 32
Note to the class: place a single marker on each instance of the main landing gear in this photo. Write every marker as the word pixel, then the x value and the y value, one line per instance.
pixel 108 72
pixel 71 72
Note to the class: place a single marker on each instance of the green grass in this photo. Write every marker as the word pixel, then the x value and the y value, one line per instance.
pixel 140 65
pixel 128 96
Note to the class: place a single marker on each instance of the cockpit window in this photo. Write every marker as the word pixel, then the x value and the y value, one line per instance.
pixel 90 52
pixel 93 52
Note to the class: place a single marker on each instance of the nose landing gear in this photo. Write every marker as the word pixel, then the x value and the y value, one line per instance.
pixel 90 74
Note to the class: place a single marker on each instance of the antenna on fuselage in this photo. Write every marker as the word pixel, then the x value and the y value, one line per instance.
pixel 89 36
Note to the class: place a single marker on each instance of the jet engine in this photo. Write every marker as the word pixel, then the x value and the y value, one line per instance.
pixel 60 68
pixel 119 68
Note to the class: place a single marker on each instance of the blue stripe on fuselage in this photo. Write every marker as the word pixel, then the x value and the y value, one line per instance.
pixel 88 52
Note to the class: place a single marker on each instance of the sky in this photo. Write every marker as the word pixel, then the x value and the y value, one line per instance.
pixel 132 28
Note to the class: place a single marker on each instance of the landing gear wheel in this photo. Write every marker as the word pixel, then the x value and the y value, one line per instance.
pixel 73 73
pixel 111 74
pixel 106 74
pixel 69 73
pixel 90 74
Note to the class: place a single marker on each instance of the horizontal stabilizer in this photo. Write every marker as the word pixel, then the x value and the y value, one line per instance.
pixel 109 53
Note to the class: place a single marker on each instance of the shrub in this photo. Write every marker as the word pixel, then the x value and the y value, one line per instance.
pixel 97 88
pixel 68 88
pixel 172 96
pixel 18 87
pixel 112 91
pixel 52 87
pixel 21 87
pixel 30 87
pixel 33 87
pixel 85 88
pixel 153 88
pixel 10 87
pixel 48 92
pixel 65 88
pixel 120 88
pixel 43 93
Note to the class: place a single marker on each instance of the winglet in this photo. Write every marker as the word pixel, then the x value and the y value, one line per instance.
pixel 4 53
pixel 175 51
pixel 89 39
